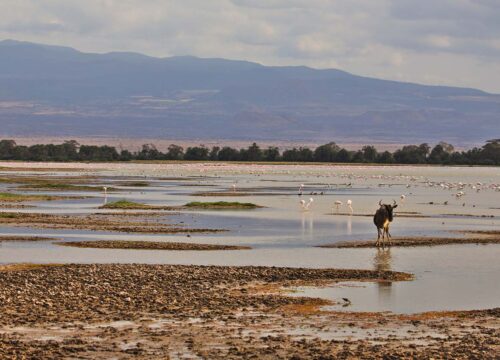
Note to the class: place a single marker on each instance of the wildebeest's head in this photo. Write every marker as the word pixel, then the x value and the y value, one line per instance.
pixel 389 208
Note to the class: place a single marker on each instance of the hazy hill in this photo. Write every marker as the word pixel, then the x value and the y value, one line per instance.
pixel 51 90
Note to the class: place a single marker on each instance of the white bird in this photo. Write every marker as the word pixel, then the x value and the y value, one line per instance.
pixel 234 187
pixel 349 205
pixel 338 203
pixel 305 206
pixel 301 187
pixel 402 197
pixel 105 189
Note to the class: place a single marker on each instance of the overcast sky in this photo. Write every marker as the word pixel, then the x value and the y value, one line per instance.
pixel 452 42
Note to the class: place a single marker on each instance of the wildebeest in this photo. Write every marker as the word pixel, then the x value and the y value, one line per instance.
pixel 382 219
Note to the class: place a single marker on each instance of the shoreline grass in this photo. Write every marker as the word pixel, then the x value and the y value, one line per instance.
pixel 13 197
pixel 221 205
pixel 132 205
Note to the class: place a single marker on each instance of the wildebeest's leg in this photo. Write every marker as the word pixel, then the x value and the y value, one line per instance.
pixel 388 235
pixel 378 237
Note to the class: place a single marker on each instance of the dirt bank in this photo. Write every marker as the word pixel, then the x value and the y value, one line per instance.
pixel 96 223
pixel 471 237
pixel 148 245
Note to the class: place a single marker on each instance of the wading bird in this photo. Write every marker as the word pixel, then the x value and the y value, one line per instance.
pixel 338 204
pixel 349 205
pixel 306 206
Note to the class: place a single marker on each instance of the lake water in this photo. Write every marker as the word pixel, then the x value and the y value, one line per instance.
pixel 283 234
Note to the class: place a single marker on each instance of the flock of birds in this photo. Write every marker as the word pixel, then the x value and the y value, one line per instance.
pixel 307 205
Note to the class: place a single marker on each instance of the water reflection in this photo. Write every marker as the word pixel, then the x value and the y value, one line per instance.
pixel 349 225
pixel 382 262
pixel 307 223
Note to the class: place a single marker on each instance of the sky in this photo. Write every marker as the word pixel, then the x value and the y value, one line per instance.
pixel 445 42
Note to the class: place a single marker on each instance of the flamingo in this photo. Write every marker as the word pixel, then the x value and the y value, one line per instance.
pixel 402 197
pixel 349 205
pixel 305 206
pixel 338 203
pixel 301 187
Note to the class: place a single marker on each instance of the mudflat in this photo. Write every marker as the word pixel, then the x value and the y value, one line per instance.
pixel 471 237
pixel 158 311
pixel 149 245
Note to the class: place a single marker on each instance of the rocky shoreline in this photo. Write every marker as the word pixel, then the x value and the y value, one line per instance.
pixel 213 312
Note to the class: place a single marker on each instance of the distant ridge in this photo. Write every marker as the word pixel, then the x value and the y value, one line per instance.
pixel 60 91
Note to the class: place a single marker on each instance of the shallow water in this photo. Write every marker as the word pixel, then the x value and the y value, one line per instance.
pixel 281 234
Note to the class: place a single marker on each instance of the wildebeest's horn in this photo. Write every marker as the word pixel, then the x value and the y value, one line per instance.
pixel 394 202
pixel 380 202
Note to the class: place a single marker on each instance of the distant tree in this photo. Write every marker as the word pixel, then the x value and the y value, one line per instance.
pixel 298 155
pixel 228 154
pixel 385 157
pixel 343 156
pixel 490 152
pixel 7 148
pixel 196 153
pixel 272 153
pixel 305 154
pixel 214 153
pixel 21 152
pixel 125 155
pixel 424 150
pixel 39 152
pixel 326 153
pixel 149 152
pixel 412 154
pixel 70 149
pixel 108 153
pixel 369 153
pixel 439 155
pixel 253 153
pixel 175 152
pixel 291 155
pixel 447 147
pixel 358 157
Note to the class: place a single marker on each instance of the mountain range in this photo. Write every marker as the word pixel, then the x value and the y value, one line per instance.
pixel 59 91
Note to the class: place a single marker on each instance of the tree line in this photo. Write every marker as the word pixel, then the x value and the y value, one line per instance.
pixel 442 153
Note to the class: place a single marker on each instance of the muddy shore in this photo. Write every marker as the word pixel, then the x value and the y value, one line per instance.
pixel 166 311
pixel 61 293
pixel 471 237
pixel 97 223
pixel 148 245
pixel 25 238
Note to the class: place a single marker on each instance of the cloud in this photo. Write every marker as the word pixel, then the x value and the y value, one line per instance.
pixel 452 42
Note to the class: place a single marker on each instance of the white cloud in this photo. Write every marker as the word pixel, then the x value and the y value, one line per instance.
pixel 451 42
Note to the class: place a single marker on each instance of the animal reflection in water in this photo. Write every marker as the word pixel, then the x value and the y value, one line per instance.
pixel 382 262
pixel 105 191
pixel 382 219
